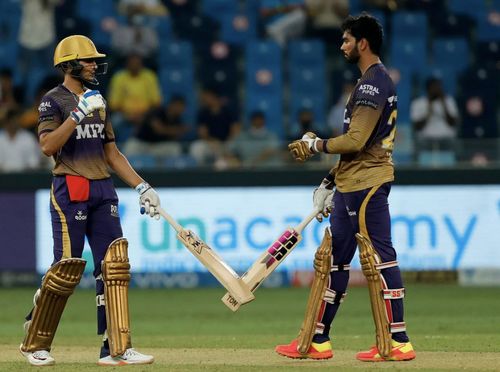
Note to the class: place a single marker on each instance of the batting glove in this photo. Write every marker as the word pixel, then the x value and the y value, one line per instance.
pixel 322 199
pixel 304 148
pixel 90 101
pixel 149 200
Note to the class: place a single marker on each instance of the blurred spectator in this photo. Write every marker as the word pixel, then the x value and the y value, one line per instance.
pixel 285 21
pixel 306 123
pixel 133 92
pixel 290 20
pixel 326 17
pixel 37 33
pixel 435 118
pixel 18 148
pixel 134 37
pixel 216 125
pixel 161 131
pixel 10 96
pixel 336 114
pixel 256 146
pixel 145 7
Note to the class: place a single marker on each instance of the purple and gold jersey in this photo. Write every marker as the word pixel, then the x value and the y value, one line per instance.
pixel 83 153
pixel 369 129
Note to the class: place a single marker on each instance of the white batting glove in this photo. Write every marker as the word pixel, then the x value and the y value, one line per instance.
pixel 322 199
pixel 148 200
pixel 89 101
pixel 311 139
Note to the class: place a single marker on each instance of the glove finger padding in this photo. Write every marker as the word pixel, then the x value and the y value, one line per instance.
pixel 300 150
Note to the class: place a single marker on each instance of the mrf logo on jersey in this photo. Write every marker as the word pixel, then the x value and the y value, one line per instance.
pixel 84 131
pixel 368 89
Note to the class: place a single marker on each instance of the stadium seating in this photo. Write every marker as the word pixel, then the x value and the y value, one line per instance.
pixel 408 52
pixel 179 162
pixel 142 161
pixel 218 9
pixel 238 28
pixel 451 53
pixel 179 81
pixel 412 25
pixel 436 158
pixel 272 107
pixel 176 55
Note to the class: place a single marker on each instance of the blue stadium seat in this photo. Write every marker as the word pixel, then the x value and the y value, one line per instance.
pixel 36 77
pixel 142 161
pixel 176 55
pixel 271 106
pixel 436 158
pixel 306 53
pixel 307 80
pixel 451 53
pixel 95 9
pixel 8 54
pixel 179 162
pixel 486 29
pixel 264 80
pixel 238 28
pixel 218 9
pixel 409 25
pixel 179 82
pixel 163 27
pixel 467 7
pixel 263 53
pixel 411 53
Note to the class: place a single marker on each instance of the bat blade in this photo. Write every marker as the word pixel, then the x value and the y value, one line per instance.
pixel 265 265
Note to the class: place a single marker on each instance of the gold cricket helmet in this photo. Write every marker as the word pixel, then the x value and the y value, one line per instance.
pixel 75 47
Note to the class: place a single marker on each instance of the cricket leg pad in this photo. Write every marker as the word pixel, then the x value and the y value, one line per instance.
pixel 116 277
pixel 57 285
pixel 322 267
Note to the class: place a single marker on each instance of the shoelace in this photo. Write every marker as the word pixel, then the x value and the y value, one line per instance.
pixel 130 353
pixel 41 354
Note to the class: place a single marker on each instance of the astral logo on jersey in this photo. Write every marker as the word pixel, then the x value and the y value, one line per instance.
pixel 368 89
pixel 43 106
pixel 90 131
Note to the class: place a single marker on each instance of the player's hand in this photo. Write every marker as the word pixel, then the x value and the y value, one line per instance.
pixel 322 202
pixel 304 148
pixel 89 101
pixel 149 200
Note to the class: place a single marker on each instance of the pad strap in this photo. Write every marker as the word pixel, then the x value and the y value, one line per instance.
pixel 393 294
pixel 341 267
pixel 398 327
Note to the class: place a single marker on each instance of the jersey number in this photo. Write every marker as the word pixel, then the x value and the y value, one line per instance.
pixel 388 142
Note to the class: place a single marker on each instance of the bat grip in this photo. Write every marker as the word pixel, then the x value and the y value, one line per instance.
pixel 169 219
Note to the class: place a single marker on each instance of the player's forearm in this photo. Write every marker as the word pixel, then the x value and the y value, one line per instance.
pixel 119 163
pixel 52 142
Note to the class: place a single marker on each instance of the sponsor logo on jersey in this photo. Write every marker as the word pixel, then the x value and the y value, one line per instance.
pixel 80 216
pixel 44 105
pixel 84 131
pixel 368 89
pixel 114 211
pixel 366 102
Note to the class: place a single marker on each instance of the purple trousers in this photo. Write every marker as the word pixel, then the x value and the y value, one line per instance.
pixel 366 212
pixel 96 219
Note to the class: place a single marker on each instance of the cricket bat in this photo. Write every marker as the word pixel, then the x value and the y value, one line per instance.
pixel 211 260
pixel 269 260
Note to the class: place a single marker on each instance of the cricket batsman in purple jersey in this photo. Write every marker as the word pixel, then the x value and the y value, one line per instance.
pixel 359 211
pixel 74 129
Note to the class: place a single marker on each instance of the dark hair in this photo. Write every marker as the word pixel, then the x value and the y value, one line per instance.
pixel 431 81
pixel 366 27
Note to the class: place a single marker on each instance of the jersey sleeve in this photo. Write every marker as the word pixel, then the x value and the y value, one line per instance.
pixel 368 101
pixel 49 115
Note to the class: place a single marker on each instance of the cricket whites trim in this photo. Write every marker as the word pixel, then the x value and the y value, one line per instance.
pixel 211 260
pixel 269 260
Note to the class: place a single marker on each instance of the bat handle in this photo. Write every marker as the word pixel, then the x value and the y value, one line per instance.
pixel 169 219
pixel 301 226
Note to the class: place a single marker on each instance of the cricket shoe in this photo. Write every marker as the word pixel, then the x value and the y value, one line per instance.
pixel 316 351
pixel 400 351
pixel 38 358
pixel 130 356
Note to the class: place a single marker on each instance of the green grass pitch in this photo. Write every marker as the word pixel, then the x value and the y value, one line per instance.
pixel 450 327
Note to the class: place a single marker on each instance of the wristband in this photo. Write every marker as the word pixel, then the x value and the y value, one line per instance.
pixel 142 187
pixel 77 115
